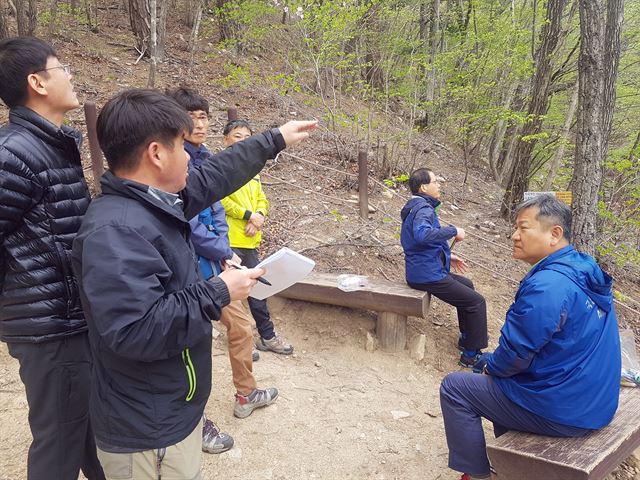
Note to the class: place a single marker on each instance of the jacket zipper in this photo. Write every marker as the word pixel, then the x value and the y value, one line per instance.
pixel 66 280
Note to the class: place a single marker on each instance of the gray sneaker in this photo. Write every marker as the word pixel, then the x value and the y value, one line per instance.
pixel 213 440
pixel 255 356
pixel 246 404
pixel 277 345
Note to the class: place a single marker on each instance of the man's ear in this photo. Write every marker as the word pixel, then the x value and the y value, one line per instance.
pixel 36 85
pixel 154 155
pixel 557 234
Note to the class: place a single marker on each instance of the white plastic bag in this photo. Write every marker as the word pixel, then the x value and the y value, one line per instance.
pixel 351 283
pixel 630 364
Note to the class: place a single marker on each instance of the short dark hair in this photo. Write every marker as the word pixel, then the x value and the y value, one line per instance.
pixel 19 58
pixel 133 119
pixel 418 178
pixel 233 124
pixel 190 99
pixel 551 211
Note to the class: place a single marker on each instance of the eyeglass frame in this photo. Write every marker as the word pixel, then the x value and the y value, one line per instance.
pixel 64 66
pixel 201 119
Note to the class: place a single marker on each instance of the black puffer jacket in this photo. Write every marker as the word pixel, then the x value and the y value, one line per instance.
pixel 43 197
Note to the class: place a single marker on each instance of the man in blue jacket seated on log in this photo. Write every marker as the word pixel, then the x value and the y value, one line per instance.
pixel 147 307
pixel 429 261
pixel 556 370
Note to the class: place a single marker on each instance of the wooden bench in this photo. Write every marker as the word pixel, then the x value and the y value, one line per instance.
pixel 394 302
pixel 523 456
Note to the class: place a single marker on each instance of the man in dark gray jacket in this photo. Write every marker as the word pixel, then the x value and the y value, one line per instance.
pixel 148 309
pixel 43 196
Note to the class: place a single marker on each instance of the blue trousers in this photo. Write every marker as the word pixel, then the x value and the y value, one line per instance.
pixel 465 398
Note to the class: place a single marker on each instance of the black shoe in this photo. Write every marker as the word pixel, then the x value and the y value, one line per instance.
pixel 476 361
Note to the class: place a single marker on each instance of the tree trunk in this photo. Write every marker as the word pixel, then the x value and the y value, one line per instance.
pixel 32 16
pixel 4 30
pixel 600 25
pixel 91 12
pixel 192 9
pixel 499 132
pixel 53 18
pixel 162 11
pixel 195 29
pixel 538 105
pixel 227 25
pixel 26 16
pixel 140 19
pixel 153 44
pixel 564 138
pixel 431 68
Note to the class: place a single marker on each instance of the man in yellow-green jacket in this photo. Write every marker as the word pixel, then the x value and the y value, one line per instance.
pixel 246 210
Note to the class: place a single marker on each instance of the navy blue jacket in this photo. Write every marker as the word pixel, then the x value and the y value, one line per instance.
pixel 148 309
pixel 559 349
pixel 209 229
pixel 427 255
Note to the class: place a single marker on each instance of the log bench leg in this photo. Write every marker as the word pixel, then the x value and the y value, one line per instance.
pixel 391 329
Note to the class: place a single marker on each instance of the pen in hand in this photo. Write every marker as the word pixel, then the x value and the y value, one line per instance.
pixel 233 264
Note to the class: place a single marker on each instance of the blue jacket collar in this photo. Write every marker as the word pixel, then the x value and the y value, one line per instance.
pixel 196 154
pixel 434 202
pixel 550 259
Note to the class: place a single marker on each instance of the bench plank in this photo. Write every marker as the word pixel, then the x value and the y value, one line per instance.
pixel 523 456
pixel 380 296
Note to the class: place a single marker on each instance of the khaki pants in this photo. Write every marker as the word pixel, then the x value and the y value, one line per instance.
pixel 178 462
pixel 240 344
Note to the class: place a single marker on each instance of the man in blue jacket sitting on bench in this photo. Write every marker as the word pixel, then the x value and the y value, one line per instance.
pixel 556 370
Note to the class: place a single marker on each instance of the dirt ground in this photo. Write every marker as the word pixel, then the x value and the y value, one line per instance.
pixel 343 412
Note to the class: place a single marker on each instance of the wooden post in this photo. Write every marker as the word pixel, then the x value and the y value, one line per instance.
pixel 232 114
pixel 391 329
pixel 363 176
pixel 97 161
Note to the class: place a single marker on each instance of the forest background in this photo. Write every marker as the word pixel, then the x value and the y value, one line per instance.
pixel 543 93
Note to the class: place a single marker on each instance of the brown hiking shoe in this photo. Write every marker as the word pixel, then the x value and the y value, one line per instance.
pixel 276 345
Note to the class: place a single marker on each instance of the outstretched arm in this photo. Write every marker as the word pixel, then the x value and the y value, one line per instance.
pixel 223 173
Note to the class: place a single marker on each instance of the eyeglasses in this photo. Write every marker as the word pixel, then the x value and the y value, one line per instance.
pixel 66 67
pixel 199 119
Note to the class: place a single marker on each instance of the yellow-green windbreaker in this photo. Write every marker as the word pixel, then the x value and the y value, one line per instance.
pixel 239 206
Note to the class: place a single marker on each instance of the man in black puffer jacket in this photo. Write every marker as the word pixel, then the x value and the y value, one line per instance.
pixel 43 197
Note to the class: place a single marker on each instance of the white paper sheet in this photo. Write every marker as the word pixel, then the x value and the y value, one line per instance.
pixel 284 268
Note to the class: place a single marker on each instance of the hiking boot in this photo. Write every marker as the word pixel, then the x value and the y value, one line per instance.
pixel 466 476
pixel 255 356
pixel 213 440
pixel 276 345
pixel 475 362
pixel 246 404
